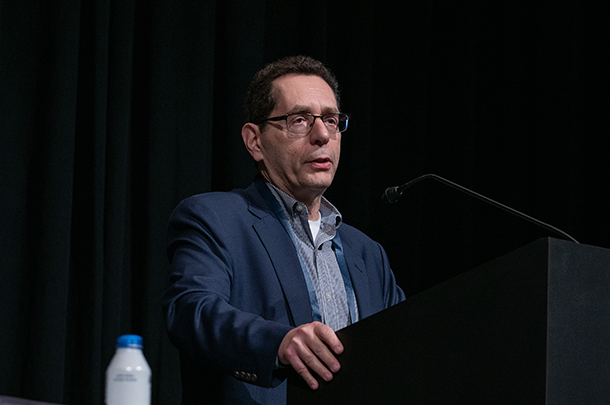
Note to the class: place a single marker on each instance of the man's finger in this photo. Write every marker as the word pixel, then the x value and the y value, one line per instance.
pixel 309 350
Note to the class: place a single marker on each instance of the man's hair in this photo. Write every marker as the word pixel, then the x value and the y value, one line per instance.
pixel 261 99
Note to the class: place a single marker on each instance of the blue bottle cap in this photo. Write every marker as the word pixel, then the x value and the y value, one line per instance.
pixel 133 341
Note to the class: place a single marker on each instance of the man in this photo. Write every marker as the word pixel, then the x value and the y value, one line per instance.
pixel 262 278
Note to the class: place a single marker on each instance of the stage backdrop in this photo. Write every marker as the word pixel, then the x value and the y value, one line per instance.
pixel 113 111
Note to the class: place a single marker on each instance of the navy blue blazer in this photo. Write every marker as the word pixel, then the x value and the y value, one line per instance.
pixel 236 289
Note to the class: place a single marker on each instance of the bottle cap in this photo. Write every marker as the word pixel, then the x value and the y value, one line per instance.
pixel 133 341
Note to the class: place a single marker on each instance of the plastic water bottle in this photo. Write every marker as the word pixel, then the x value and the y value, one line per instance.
pixel 128 377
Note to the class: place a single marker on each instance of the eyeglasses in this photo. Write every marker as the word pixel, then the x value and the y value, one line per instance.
pixel 301 123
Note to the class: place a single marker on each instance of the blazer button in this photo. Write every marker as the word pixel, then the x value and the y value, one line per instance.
pixel 243 376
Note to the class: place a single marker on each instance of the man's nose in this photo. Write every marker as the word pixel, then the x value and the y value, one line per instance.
pixel 319 133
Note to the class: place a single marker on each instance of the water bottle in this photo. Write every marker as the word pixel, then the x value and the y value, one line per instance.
pixel 128 377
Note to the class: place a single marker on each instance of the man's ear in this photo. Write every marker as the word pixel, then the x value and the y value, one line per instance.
pixel 251 133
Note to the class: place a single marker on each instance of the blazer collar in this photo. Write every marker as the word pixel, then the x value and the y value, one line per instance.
pixel 282 254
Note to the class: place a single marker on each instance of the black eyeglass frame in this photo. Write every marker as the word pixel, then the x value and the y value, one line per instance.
pixel 284 117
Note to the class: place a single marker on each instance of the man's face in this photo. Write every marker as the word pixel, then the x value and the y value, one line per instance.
pixel 301 165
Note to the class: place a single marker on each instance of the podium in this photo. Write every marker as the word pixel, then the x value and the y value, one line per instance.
pixel 530 327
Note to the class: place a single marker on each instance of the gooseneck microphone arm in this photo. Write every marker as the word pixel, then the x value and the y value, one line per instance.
pixel 392 194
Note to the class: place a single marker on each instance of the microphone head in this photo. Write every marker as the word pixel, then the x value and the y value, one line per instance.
pixel 391 195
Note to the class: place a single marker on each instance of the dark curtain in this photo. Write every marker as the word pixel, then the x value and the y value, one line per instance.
pixel 113 111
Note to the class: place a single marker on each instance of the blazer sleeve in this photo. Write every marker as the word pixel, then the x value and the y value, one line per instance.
pixel 206 319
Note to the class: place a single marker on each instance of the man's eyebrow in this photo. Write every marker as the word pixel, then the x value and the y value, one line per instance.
pixel 306 109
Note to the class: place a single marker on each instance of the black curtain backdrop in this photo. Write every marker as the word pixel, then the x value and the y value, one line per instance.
pixel 113 111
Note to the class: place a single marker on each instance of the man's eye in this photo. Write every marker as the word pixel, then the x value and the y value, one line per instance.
pixel 298 120
pixel 331 120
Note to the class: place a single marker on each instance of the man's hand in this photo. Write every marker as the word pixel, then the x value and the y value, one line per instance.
pixel 307 349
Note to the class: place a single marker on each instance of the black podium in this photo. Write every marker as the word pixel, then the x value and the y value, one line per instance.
pixel 531 327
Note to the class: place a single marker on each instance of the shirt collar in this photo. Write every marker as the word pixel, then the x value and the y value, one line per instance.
pixel 328 212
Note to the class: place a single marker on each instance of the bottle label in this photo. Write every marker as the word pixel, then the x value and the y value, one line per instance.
pixel 125 378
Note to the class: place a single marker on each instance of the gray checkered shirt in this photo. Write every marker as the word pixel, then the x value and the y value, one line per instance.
pixel 319 257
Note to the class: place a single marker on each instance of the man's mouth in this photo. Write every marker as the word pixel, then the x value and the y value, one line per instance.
pixel 321 163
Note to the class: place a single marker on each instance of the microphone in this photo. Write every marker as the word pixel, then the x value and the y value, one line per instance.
pixel 392 194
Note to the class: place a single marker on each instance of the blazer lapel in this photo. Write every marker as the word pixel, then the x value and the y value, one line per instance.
pixel 356 269
pixel 283 256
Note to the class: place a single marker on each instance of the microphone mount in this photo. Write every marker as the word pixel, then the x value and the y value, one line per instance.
pixel 392 194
